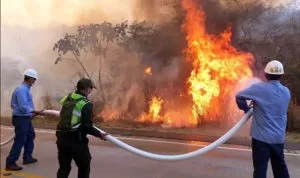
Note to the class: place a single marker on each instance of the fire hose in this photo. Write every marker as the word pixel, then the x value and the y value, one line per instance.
pixel 8 140
pixel 153 156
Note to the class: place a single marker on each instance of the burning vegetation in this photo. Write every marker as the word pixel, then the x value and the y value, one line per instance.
pixel 172 63
pixel 217 65
pixel 213 69
pixel 216 69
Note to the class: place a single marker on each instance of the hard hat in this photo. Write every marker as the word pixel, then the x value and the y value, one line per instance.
pixel 85 83
pixel 31 73
pixel 274 67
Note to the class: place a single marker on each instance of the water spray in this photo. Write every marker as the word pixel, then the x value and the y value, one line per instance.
pixel 160 157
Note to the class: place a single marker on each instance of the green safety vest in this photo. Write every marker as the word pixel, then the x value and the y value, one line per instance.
pixel 75 120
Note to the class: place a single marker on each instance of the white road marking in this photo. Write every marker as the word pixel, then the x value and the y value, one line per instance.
pixel 158 141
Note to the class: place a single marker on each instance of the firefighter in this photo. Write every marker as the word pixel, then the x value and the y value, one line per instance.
pixel 270 105
pixel 76 121
pixel 22 113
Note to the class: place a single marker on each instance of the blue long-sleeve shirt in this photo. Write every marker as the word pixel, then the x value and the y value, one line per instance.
pixel 271 100
pixel 21 101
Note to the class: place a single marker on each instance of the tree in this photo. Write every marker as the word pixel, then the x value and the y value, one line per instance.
pixel 273 34
pixel 94 39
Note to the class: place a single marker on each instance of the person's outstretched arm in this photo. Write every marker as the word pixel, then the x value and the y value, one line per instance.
pixel 87 121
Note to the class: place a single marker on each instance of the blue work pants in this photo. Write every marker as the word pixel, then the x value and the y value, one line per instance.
pixel 261 153
pixel 24 137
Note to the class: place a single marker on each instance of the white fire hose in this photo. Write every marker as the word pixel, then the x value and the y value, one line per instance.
pixel 149 155
pixel 8 140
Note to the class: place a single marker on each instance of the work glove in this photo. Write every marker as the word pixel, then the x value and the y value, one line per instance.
pixel 38 113
pixel 102 136
pixel 251 104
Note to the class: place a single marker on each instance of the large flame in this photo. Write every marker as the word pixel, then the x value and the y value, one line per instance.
pixel 217 69
pixel 217 65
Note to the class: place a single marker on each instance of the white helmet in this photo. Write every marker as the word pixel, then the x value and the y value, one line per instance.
pixel 31 73
pixel 274 67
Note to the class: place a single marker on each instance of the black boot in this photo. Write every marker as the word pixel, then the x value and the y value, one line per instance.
pixel 30 161
pixel 13 167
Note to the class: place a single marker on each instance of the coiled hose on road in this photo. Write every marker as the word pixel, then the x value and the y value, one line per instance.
pixel 160 157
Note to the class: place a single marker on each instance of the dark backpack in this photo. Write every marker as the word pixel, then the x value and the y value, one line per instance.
pixel 66 113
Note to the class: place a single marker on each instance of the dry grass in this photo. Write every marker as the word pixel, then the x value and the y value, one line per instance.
pixel 293 136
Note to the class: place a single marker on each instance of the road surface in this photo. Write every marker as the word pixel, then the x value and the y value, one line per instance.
pixel 110 161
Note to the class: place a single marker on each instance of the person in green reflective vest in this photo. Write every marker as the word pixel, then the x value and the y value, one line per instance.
pixel 76 121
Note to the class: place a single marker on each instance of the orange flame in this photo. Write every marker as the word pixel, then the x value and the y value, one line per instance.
pixel 148 71
pixel 154 111
pixel 218 68
pixel 155 107
pixel 175 116
pixel 217 65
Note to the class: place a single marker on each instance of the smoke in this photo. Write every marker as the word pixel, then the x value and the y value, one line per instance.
pixel 251 15
pixel 74 12
pixel 157 11
pixel 67 12
pixel 28 34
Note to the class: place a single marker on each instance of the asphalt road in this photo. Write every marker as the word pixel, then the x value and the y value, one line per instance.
pixel 110 161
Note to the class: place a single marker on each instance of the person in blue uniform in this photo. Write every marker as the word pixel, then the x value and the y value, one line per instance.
pixel 22 113
pixel 270 105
